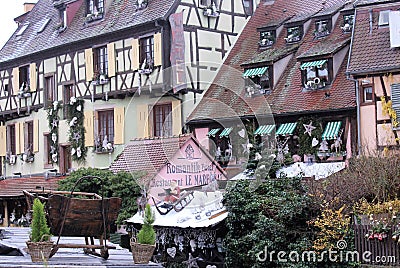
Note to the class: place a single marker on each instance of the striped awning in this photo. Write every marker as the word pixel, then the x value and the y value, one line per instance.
pixel 308 64
pixel 225 132
pixel 212 132
pixel 331 130
pixel 264 130
pixel 255 71
pixel 286 129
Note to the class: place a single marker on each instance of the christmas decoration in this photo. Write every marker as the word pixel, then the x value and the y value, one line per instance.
pixel 53 121
pixel 309 128
pixel 314 142
pixel 76 135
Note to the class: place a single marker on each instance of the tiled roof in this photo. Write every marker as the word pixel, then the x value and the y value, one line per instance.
pixel 13 187
pixel 371 51
pixel 288 96
pixel 272 55
pixel 148 154
pixel 119 15
pixel 325 47
pixel 371 2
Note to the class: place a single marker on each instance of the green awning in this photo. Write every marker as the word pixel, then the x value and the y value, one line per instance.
pixel 212 132
pixel 308 64
pixel 331 130
pixel 255 71
pixel 225 132
pixel 264 130
pixel 286 129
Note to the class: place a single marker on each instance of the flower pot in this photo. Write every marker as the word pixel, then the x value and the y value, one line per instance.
pixel 142 253
pixel 40 251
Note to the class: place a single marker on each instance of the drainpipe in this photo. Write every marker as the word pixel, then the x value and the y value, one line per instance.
pixel 356 82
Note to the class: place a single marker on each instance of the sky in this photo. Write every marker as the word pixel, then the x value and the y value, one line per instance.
pixel 9 10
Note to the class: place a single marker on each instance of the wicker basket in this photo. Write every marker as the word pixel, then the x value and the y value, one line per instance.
pixel 40 251
pixel 142 253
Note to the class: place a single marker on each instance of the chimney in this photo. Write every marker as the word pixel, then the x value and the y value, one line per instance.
pixel 28 7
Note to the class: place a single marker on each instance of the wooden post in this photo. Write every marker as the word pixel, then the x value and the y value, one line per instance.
pixel 5 223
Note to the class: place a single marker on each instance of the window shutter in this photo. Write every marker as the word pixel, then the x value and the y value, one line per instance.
pixel 395 96
pixel 15 80
pixel 3 140
pixel 157 49
pixel 35 136
pixel 89 64
pixel 142 121
pixel 176 117
pixel 119 116
pixel 135 54
pixel 88 125
pixel 19 137
pixel 32 76
pixel 111 59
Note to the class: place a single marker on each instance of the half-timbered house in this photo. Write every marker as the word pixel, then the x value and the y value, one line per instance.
pixel 374 65
pixel 290 93
pixel 139 65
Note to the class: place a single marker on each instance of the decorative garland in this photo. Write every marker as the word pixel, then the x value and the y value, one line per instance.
pixel 76 134
pixel 53 120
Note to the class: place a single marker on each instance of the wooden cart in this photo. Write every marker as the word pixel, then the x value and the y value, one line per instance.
pixel 80 214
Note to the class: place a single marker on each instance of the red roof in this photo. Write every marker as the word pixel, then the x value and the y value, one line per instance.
pixel 371 52
pixel 288 96
pixel 13 187
pixel 148 154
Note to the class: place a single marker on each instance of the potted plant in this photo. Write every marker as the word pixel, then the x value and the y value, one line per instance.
pixel 145 243
pixel 39 245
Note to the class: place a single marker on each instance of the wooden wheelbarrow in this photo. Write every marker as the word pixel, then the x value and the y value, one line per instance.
pixel 80 214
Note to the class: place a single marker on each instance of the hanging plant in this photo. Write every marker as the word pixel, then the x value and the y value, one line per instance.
pixel 76 134
pixel 387 109
pixel 309 128
pixel 53 121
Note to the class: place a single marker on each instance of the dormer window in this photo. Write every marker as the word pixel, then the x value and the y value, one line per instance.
pixel 94 10
pixel 316 74
pixel 322 28
pixel 348 21
pixel 62 24
pixel 257 80
pixel 267 38
pixel 294 34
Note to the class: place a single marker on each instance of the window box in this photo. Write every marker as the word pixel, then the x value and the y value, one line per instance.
pixel 211 11
pixel 94 16
pixel 27 157
pixel 100 79
pixel 100 149
pixel 11 159
pixel 24 91
pixel 141 4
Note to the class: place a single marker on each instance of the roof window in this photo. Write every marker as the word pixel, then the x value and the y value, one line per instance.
pixel 22 29
pixel 44 24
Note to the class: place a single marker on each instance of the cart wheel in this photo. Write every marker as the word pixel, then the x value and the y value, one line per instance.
pixel 104 253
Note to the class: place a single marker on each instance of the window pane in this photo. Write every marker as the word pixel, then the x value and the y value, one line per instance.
pixel 162 120
pixel 367 94
pixel 106 127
